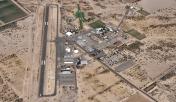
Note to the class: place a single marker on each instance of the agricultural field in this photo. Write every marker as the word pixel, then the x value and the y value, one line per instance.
pixel 10 12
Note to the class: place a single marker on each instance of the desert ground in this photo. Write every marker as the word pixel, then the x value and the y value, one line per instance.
pixel 20 48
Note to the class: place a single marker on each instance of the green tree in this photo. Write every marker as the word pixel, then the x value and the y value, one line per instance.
pixel 80 15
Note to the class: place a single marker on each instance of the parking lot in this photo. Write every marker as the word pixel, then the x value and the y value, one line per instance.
pixel 99 41
pixel 67 78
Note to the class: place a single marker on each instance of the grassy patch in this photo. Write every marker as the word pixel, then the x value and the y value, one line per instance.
pixel 97 24
pixel 143 12
pixel 167 44
pixel 136 18
pixel 134 46
pixel 155 47
pixel 136 34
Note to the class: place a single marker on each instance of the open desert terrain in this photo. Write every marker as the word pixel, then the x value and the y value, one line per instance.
pixel 88 51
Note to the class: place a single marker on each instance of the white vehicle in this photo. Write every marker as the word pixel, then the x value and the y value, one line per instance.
pixel 88 34
pixel 131 7
pixel 84 40
pixel 110 29
pixel 67 68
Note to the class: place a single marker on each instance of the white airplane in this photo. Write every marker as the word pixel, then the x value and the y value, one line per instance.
pixel 43 62
pixel 46 23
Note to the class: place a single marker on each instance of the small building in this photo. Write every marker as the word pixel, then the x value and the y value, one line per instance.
pixel 99 30
pixel 68 49
pixel 68 59
pixel 69 33
pixel 66 72
pixel 68 62
pixel 83 62
pixel 90 49
pixel 76 51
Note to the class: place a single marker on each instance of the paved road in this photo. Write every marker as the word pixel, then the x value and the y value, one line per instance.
pixel 123 18
pixel 60 50
pixel 43 58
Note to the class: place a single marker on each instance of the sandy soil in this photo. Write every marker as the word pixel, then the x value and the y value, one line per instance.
pixel 97 84
pixel 137 98
pixel 15 48
pixel 15 52
pixel 159 44
pixel 158 53
pixel 7 94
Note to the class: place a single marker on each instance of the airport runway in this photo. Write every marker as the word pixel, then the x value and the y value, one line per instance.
pixel 43 55
pixel 47 84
